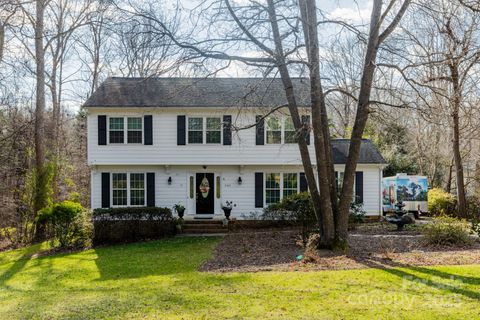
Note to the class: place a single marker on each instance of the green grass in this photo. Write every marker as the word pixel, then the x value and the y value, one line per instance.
pixel 160 280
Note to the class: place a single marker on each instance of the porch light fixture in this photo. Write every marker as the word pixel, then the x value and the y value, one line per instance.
pixel 169 180
pixel 239 180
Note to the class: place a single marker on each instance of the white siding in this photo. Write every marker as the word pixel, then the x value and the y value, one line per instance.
pixel 165 150
pixel 242 195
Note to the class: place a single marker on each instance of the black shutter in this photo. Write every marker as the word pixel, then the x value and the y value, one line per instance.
pixel 303 182
pixel 359 187
pixel 227 130
pixel 150 189
pixel 181 132
pixel 260 131
pixel 105 189
pixel 306 121
pixel 336 180
pixel 148 130
pixel 258 189
pixel 102 130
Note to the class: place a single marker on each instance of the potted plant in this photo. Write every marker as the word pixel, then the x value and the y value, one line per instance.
pixel 227 208
pixel 179 209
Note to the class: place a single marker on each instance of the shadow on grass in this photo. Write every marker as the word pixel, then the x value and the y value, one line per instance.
pixel 19 258
pixel 162 257
pixel 411 274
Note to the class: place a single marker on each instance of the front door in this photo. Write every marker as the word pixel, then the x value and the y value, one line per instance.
pixel 204 188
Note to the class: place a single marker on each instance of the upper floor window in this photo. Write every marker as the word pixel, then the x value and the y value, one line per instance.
pixel 134 130
pixel 280 130
pixel 204 130
pixel 214 130
pixel 290 134
pixel 118 130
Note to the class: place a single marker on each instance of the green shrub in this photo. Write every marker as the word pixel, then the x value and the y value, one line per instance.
pixel 440 202
pixel 473 206
pixel 296 209
pixel 68 222
pixel 128 224
pixel 356 215
pixel 444 230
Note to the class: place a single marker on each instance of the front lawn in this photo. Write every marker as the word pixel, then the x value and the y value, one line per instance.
pixel 160 280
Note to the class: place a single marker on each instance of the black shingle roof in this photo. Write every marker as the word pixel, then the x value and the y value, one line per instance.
pixel 195 92
pixel 369 154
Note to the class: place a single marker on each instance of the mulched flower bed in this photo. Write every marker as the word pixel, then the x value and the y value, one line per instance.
pixel 277 250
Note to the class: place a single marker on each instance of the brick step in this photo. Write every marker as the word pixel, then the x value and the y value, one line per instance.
pixel 203 225
pixel 203 222
pixel 205 230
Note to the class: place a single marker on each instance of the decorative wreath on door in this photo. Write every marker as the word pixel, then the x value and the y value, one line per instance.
pixel 204 187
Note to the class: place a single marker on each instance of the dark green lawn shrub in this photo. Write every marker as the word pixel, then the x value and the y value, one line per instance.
pixel 444 230
pixel 440 202
pixel 129 224
pixel 296 209
pixel 68 222
pixel 473 207
pixel 357 215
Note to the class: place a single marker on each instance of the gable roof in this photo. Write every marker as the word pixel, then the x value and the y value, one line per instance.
pixel 196 92
pixel 369 154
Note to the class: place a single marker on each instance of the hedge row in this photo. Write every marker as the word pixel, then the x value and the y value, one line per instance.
pixel 128 224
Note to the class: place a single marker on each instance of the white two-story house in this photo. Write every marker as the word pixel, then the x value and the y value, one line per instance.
pixel 202 142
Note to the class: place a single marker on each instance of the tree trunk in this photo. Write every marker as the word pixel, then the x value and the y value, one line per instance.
pixel 323 146
pixel 2 40
pixel 40 190
pixel 322 204
pixel 461 197
pixel 360 123
pixel 448 186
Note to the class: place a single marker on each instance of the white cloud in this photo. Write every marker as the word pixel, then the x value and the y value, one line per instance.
pixel 353 13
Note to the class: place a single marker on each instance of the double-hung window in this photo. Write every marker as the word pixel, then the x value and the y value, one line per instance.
pixel 290 134
pixel 204 130
pixel 195 130
pixel 280 185
pixel 272 188
pixel 133 130
pixel 137 189
pixel 274 130
pixel 128 189
pixel 214 130
pixel 280 129
pixel 119 189
pixel 116 129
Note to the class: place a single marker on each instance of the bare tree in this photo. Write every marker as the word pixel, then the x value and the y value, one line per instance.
pixel 447 54
pixel 279 31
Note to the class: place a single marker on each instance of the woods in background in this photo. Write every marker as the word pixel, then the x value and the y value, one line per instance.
pixel 406 78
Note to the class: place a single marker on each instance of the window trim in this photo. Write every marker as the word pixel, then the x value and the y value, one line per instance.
pixel 128 173
pixel 265 204
pixel 125 130
pixel 204 131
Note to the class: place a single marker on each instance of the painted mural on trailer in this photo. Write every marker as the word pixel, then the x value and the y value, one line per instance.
pixel 408 188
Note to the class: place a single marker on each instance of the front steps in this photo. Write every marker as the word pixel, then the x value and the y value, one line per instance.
pixel 203 226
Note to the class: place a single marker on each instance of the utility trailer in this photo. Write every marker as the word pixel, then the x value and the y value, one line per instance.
pixel 411 190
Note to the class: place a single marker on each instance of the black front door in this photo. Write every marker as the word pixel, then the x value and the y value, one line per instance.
pixel 205 188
